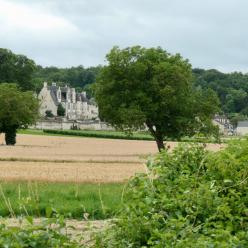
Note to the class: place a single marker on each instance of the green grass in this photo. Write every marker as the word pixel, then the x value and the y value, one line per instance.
pixel 90 133
pixel 35 132
pixel 113 135
pixel 72 200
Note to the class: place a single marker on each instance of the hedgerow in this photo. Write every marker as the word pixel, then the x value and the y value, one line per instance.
pixel 188 198
pixel 96 134
pixel 122 135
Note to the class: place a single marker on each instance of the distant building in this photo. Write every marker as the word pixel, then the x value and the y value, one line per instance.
pixel 77 106
pixel 225 127
pixel 242 128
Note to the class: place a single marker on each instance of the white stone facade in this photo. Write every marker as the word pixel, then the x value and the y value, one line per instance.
pixel 77 106
pixel 242 128
pixel 60 124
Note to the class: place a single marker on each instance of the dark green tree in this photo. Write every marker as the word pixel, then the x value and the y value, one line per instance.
pixel 152 87
pixel 60 110
pixel 49 113
pixel 77 77
pixel 16 69
pixel 17 110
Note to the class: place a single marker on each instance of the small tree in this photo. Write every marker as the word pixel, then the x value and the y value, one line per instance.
pixel 17 110
pixel 150 86
pixel 60 110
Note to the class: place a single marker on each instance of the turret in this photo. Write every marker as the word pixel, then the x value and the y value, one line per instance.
pixel 59 94
pixel 73 95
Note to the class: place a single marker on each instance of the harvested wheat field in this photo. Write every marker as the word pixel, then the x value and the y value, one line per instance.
pixel 74 159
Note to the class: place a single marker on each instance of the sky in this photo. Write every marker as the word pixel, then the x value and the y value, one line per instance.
pixel 65 33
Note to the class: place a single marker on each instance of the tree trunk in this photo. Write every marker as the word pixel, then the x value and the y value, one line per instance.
pixel 10 137
pixel 160 144
pixel 157 136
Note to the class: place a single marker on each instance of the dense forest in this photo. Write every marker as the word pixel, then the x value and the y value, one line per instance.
pixel 78 77
pixel 231 88
pixel 27 75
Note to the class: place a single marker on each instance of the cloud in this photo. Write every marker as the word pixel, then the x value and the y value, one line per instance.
pixel 211 34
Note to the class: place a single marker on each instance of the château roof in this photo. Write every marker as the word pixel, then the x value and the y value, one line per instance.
pixel 53 91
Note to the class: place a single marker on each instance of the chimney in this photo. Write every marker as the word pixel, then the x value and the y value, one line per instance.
pixel 45 84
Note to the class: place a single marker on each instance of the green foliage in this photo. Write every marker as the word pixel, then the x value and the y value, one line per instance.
pixel 77 77
pixel 16 69
pixel 17 110
pixel 236 117
pixel 69 199
pixel 150 86
pixel 60 110
pixel 47 234
pixel 49 113
pixel 231 88
pixel 188 198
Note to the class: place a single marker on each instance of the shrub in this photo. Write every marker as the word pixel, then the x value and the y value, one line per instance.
pixel 189 198
pixel 49 113
pixel 60 110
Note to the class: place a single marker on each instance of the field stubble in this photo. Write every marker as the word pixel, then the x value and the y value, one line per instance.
pixel 72 159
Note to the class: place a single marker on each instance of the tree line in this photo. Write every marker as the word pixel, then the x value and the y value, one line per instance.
pixel 137 86
pixel 24 72
pixel 231 88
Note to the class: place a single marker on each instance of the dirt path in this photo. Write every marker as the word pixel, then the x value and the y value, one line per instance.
pixel 82 230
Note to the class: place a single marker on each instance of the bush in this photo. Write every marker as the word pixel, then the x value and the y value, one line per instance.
pixel 49 113
pixel 189 198
pixel 60 110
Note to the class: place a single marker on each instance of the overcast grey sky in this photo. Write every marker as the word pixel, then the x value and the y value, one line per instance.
pixel 210 33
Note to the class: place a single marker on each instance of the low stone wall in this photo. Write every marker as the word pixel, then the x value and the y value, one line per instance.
pixel 67 125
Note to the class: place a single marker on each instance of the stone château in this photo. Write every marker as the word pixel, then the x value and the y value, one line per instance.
pixel 77 106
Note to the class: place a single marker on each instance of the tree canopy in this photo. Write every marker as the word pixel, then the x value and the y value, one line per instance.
pixel 231 88
pixel 17 110
pixel 16 69
pixel 78 77
pixel 152 87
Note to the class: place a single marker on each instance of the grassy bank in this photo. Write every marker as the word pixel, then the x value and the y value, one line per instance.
pixel 73 200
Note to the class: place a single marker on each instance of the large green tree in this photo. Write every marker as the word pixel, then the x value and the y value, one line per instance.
pixel 16 69
pixel 17 110
pixel 150 86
